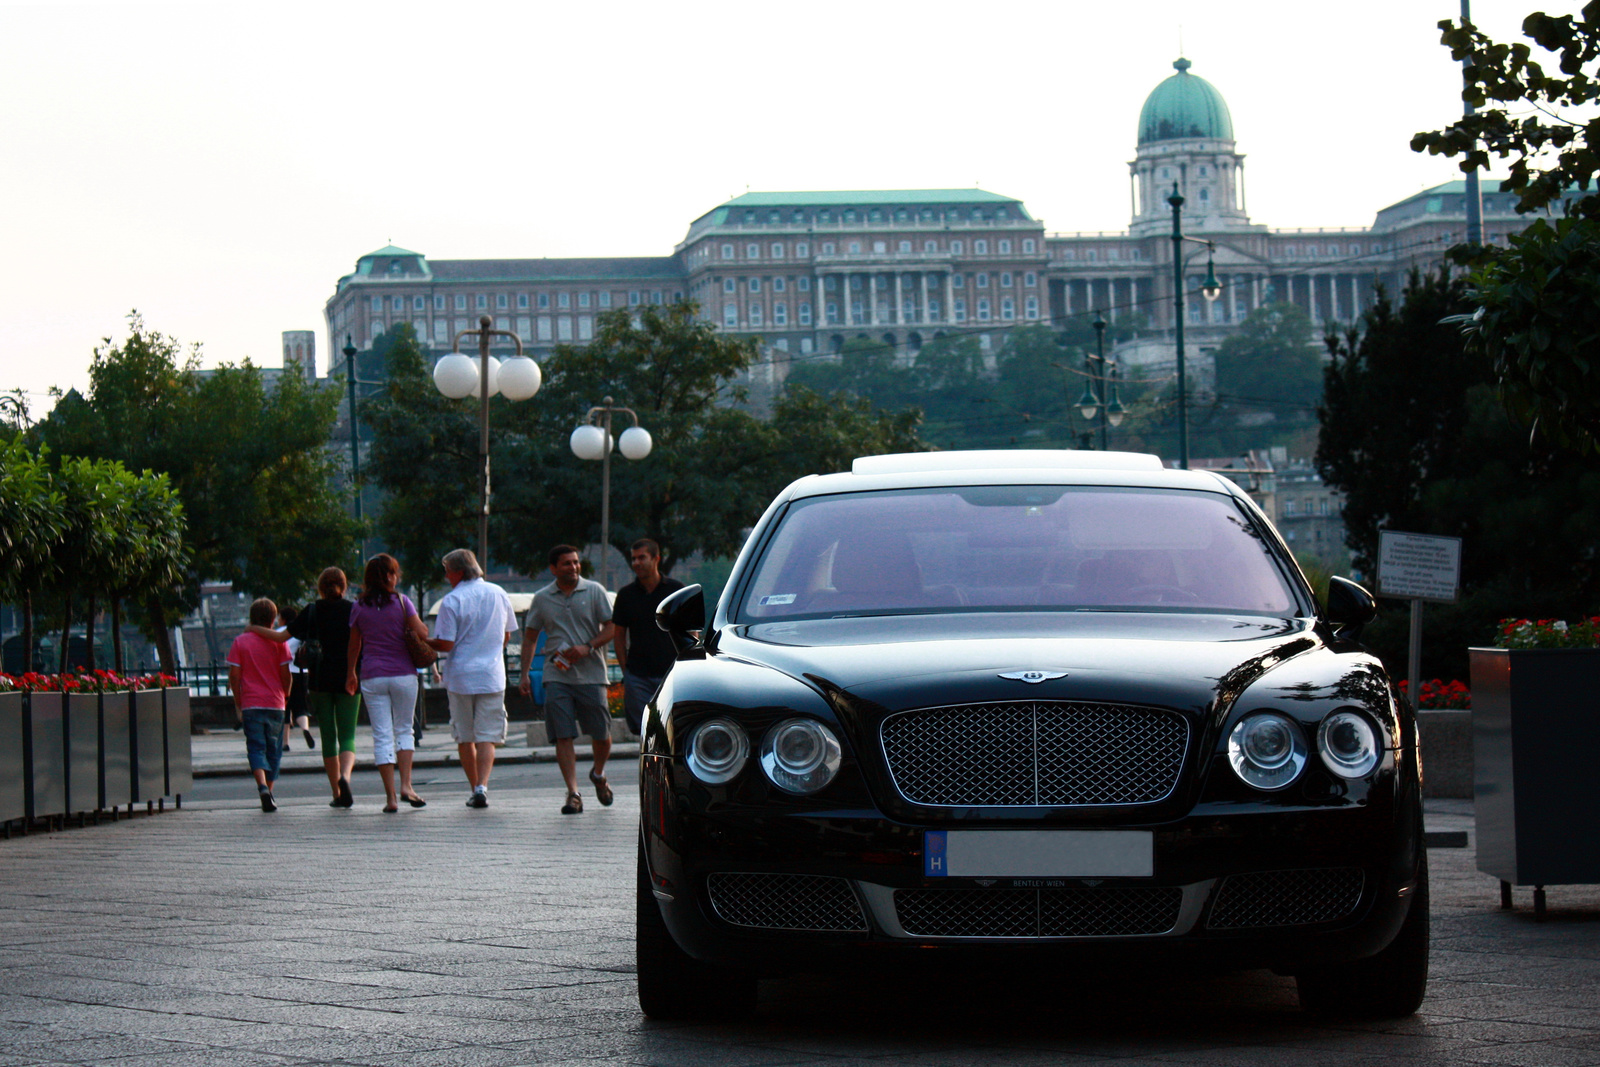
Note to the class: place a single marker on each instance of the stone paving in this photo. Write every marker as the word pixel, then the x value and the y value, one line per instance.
pixel 453 938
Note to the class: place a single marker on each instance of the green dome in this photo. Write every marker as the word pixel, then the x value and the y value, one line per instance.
pixel 1184 106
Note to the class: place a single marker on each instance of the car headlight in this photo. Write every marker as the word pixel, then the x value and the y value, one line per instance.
pixel 1267 751
pixel 1348 743
pixel 800 755
pixel 718 750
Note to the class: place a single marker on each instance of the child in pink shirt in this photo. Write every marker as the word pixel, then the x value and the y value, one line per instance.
pixel 258 675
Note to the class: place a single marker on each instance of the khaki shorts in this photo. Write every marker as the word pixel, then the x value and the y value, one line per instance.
pixel 478 717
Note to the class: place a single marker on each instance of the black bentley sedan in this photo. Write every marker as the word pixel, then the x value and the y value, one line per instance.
pixel 1060 703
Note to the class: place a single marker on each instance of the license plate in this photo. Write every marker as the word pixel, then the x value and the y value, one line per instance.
pixel 1038 854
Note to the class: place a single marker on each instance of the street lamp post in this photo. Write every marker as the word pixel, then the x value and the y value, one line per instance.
pixel 1210 289
pixel 592 441
pixel 516 379
pixel 1100 391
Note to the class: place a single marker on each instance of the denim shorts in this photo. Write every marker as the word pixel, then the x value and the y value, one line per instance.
pixel 263 739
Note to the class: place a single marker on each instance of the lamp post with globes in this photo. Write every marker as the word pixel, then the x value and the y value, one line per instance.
pixel 1102 384
pixel 517 378
pixel 1210 288
pixel 592 441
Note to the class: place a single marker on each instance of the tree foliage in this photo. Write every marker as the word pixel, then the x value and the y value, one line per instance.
pixel 1271 362
pixel 714 465
pixel 1550 153
pixel 245 456
pixel 1414 438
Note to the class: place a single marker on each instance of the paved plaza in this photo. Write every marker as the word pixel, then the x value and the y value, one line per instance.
pixel 217 935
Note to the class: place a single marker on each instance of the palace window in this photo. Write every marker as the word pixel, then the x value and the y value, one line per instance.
pixel 563 300
pixel 961 310
pixel 1005 248
pixel 905 246
pixel 983 310
pixel 755 285
pixel 1008 308
pixel 1032 306
pixel 855 248
pixel 729 285
pixel 438 303
pixel 804 284
pixel 755 314
pixel 752 251
pixel 605 299
pixel 805 313
pixel 483 302
pixel 780 314
pixel 955 248
pixel 1028 246
pixel 730 315
pixel 778 285
pixel 777 250
pixel 585 328
pixel 399 303
pixel 502 301
pixel 727 251
pixel 461 304
pixel 980 247
pixel 1029 280
pixel 583 300
pixel 982 280
pixel 1005 279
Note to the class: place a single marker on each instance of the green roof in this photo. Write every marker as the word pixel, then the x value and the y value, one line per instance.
pixel 845 198
pixel 1182 107
pixel 391 250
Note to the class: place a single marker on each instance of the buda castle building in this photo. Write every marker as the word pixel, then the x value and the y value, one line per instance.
pixel 806 271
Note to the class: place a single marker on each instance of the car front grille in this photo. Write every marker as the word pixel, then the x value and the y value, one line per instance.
pixel 1104 911
pixel 1035 754
pixel 1286 898
pixel 786 902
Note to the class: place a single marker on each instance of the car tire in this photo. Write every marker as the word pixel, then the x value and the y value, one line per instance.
pixel 674 985
pixel 1389 985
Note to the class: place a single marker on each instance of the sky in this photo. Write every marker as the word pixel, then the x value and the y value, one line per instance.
pixel 219 166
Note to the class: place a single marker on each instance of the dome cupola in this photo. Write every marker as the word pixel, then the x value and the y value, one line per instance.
pixel 1182 107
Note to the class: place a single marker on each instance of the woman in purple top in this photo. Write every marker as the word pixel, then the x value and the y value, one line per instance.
pixel 388 681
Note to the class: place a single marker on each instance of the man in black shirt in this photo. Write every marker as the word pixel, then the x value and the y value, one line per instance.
pixel 644 650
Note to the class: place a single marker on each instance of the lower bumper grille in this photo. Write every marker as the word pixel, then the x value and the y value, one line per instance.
pixel 1286 898
pixel 1108 911
pixel 786 902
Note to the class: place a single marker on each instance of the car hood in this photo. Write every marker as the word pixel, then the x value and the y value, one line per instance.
pixel 1189 661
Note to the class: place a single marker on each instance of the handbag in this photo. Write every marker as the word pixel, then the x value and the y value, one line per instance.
pixel 422 654
pixel 308 657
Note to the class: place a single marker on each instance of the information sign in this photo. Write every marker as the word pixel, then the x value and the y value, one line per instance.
pixel 1418 566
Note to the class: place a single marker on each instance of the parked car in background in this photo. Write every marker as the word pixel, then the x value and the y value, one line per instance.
pixel 982 705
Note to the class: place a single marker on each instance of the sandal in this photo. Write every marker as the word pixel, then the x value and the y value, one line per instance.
pixel 414 800
pixel 390 809
pixel 573 806
pixel 602 790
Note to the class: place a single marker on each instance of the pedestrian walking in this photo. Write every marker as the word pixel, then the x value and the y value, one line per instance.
pixel 475 621
pixel 577 615
pixel 323 629
pixel 378 664
pixel 258 677
pixel 298 710
pixel 644 650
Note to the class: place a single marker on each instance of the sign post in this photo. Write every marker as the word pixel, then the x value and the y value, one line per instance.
pixel 1418 568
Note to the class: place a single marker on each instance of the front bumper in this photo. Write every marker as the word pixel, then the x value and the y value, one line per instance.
pixel 1233 885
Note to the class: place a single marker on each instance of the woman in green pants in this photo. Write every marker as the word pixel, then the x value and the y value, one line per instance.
pixel 326 624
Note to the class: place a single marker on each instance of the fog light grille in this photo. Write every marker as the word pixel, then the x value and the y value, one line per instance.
pixel 786 902
pixel 1035 754
pixel 1286 898
pixel 1108 911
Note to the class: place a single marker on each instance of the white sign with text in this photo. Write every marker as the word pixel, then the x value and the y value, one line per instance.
pixel 1418 566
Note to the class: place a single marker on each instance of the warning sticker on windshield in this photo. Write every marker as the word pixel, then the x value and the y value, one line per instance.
pixel 777 598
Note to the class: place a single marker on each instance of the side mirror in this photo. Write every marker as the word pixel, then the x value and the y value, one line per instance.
pixel 1350 607
pixel 683 615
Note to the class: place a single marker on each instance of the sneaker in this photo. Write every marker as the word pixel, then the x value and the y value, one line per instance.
pixel 478 800
pixel 267 803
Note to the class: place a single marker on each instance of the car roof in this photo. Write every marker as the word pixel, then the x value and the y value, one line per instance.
pixel 918 470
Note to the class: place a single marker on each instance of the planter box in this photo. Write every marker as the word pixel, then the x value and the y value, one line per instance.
pixel 45 767
pixel 82 725
pixel 116 751
pixel 149 746
pixel 1535 734
pixel 1446 741
pixel 13 794
pixel 178 756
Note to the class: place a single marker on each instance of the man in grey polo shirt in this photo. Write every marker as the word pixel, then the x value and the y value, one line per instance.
pixel 577 616
pixel 475 622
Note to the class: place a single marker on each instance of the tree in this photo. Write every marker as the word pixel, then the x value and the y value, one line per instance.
pixel 1537 315
pixel 32 519
pixel 1271 362
pixel 248 460
pixel 1414 438
pixel 714 466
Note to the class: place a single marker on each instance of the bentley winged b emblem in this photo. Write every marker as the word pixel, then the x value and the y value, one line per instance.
pixel 1033 677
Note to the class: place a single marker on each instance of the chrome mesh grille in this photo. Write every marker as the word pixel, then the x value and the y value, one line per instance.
pixel 1286 898
pixel 786 902
pixel 1105 911
pixel 1035 753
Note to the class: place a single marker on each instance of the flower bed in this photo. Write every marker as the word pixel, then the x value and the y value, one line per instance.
pixel 97 681
pixel 1549 633
pixel 1441 696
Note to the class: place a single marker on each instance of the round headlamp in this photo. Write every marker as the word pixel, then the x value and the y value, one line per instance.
pixel 1267 751
pixel 718 749
pixel 800 755
pixel 1348 744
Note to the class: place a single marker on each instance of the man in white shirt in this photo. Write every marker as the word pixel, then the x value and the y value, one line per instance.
pixel 475 622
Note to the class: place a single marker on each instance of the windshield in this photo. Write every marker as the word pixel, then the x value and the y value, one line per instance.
pixel 1015 548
